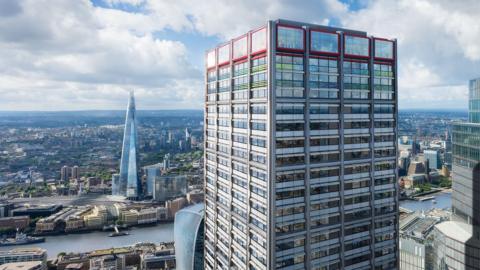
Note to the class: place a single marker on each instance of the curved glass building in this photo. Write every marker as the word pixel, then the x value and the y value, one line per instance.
pixel 188 235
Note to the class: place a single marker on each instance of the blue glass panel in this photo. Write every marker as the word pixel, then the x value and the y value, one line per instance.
pixel 356 46
pixel 290 38
pixel 324 42
pixel 384 49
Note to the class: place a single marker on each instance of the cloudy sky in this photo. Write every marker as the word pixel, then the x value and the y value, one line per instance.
pixel 74 55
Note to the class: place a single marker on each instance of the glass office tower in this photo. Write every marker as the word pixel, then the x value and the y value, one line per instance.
pixel 457 242
pixel 300 150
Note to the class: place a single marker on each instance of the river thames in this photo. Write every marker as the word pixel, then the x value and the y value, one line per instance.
pixel 441 200
pixel 100 240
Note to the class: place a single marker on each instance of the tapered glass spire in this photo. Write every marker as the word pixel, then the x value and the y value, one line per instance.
pixel 129 186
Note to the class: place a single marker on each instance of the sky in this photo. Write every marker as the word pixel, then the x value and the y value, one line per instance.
pixel 87 54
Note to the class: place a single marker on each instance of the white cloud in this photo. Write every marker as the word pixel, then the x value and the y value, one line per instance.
pixel 65 52
pixel 71 52
pixel 438 53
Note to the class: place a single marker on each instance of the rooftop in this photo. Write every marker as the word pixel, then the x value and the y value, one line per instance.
pixel 21 265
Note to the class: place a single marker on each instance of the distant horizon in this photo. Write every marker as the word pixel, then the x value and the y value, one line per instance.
pixel 162 110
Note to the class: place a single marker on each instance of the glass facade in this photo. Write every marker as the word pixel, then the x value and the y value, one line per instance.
pixel 324 42
pixel 240 47
pixel 259 40
pixel 300 171
pixel 290 38
pixel 358 46
pixel 383 49
pixel 188 234
pixel 129 185
pixel 474 101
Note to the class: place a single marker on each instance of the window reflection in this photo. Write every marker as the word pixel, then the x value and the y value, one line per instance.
pixel 290 38
pixel 324 42
pixel 383 49
pixel 356 46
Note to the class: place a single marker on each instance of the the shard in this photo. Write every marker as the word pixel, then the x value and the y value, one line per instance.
pixel 128 180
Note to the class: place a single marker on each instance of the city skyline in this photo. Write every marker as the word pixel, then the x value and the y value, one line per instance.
pixel 46 63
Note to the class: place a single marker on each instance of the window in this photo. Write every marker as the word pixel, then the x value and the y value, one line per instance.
pixel 357 109
pixel 224 54
pixel 355 68
pixel 289 126
pixel 211 58
pixel 323 42
pixel 259 80
pixel 383 108
pixel 240 47
pixel 240 69
pixel 289 63
pixel 240 124
pixel 357 139
pixel 240 83
pixel 224 73
pixel 259 40
pixel 290 38
pixel 290 176
pixel 258 109
pixel 324 157
pixel 290 143
pixel 211 75
pixel 259 64
pixel 358 46
pixel 258 142
pixel 327 125
pixel 259 126
pixel 323 109
pixel 256 157
pixel 290 160
pixel 324 141
pixel 383 49
pixel 285 108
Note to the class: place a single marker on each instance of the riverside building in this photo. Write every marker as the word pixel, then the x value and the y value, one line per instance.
pixel 300 150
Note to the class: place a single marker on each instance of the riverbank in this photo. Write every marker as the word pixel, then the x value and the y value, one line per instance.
pixel 94 240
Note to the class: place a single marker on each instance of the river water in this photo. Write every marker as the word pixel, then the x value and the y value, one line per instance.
pixel 100 240
pixel 443 200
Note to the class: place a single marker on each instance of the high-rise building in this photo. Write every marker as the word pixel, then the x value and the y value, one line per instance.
pixel 116 184
pixel 152 172
pixel 188 234
pixel 129 181
pixel 300 150
pixel 75 172
pixel 433 157
pixel 457 242
pixel 64 173
pixel 169 186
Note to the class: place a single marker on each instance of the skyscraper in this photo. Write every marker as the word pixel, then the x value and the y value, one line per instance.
pixel 301 150
pixel 129 181
pixel 188 234
pixel 457 242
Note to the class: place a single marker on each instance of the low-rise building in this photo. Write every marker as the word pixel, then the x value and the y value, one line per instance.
pixel 24 255
pixel 97 218
pixel 20 222
pixel 35 265
pixel 173 206
pixel 162 258
pixel 147 215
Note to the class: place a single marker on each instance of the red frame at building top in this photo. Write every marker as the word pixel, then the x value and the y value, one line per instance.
pixel 251 40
